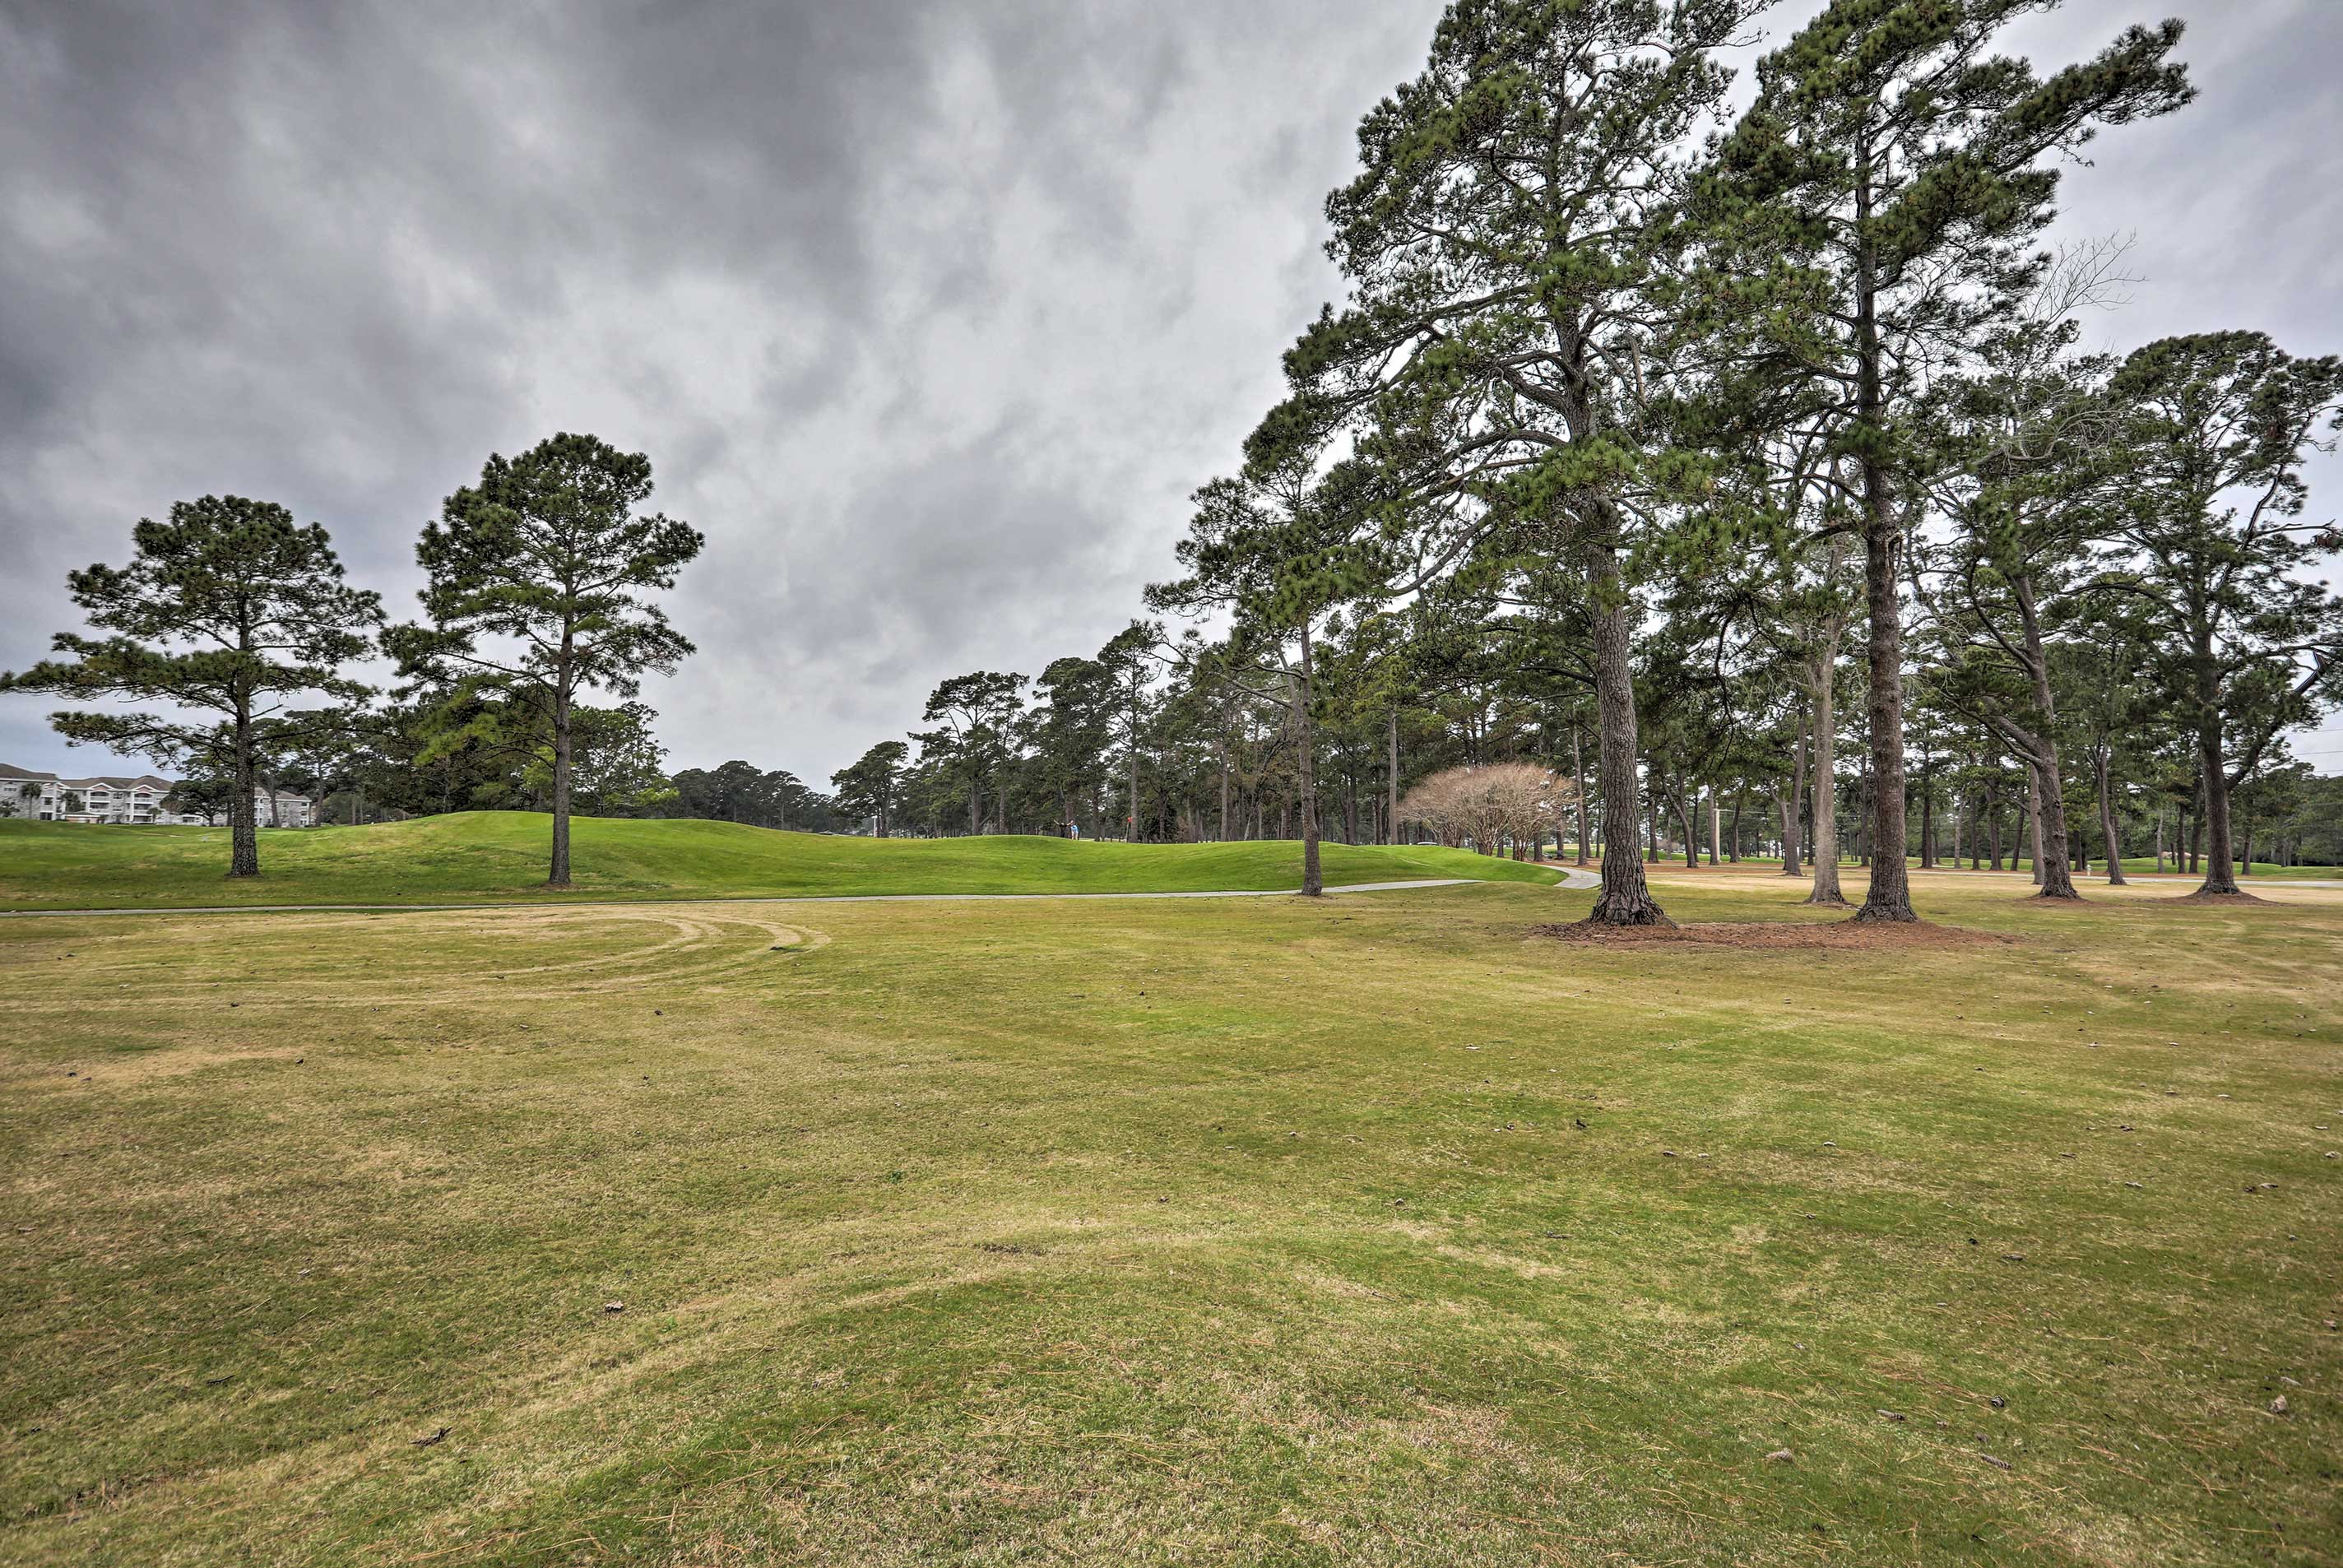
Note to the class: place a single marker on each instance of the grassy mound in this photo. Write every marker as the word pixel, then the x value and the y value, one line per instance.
pixel 501 855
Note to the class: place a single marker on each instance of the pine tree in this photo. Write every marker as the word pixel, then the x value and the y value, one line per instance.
pixel 1280 549
pixel 976 717
pixel 869 786
pixel 228 608
pixel 2215 552
pixel 1501 345
pixel 550 560
pixel 1887 185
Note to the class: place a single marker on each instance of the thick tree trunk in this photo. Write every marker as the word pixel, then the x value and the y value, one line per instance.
pixel 1733 844
pixel 2034 819
pixel 1823 687
pixel 2220 852
pixel 243 825
pixel 1890 896
pixel 559 877
pixel 2213 777
pixel 2053 855
pixel 1625 898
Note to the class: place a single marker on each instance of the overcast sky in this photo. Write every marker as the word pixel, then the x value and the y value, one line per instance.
pixel 929 315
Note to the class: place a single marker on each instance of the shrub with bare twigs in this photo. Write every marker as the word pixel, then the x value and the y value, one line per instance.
pixel 1490 804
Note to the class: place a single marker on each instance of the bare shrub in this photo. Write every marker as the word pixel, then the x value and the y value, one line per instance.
pixel 1490 804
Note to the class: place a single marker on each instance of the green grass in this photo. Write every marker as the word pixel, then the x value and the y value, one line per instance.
pixel 501 855
pixel 1248 1231
pixel 2145 866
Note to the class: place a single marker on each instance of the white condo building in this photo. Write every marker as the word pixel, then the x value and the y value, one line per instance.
pixel 128 802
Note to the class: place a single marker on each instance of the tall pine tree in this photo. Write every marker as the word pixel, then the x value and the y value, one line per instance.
pixel 228 609
pixel 1891 179
pixel 539 579
pixel 1502 240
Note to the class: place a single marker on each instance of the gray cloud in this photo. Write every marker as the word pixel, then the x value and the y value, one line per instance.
pixel 931 315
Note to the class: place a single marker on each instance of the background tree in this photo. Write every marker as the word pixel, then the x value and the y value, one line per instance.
pixel 1071 733
pixel 1129 661
pixel 1886 186
pixel 549 558
pixel 868 786
pixel 2214 430
pixel 228 609
pixel 207 796
pixel 615 763
pixel 977 716
pixel 1278 549
pixel 1502 339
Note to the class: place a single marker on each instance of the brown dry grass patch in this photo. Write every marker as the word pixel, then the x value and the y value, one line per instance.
pixel 1787 934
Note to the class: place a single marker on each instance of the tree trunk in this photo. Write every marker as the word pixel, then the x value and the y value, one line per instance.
pixel 1927 814
pixel 1625 898
pixel 1890 898
pixel 2053 856
pixel 559 877
pixel 243 825
pixel 1314 883
pixel 2052 853
pixel 2034 820
pixel 1390 774
pixel 2220 874
pixel 1794 799
pixel 1578 770
pixel 1822 685
pixel 1733 844
pixel 2109 842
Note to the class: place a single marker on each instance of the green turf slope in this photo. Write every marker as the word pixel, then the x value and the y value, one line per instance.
pixel 501 855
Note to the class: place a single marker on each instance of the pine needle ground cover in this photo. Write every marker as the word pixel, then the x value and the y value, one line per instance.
pixel 1380 1231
